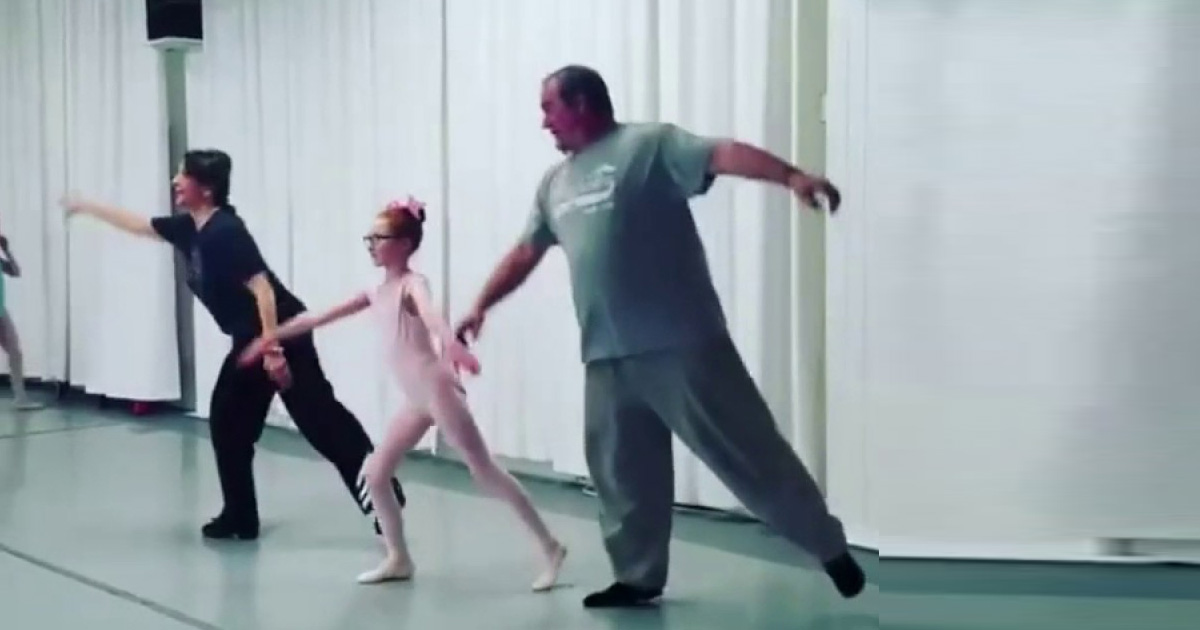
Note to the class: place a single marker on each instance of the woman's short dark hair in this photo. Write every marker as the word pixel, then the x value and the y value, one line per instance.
pixel 211 169
pixel 583 85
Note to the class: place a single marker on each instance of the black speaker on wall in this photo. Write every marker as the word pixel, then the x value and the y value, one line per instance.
pixel 174 19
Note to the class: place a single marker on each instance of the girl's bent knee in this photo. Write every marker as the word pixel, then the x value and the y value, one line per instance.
pixel 378 479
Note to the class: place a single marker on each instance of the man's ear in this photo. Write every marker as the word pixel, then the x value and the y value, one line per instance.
pixel 579 106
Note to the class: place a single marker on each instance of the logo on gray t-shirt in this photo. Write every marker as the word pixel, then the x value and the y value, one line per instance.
pixel 619 210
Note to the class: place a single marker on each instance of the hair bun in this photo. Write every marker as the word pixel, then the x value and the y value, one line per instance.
pixel 410 207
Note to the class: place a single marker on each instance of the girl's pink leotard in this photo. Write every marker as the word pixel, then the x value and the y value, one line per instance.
pixel 409 348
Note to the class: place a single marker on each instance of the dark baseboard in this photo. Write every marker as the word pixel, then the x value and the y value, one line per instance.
pixel 66 394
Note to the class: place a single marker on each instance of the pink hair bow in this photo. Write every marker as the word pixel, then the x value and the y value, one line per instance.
pixel 411 205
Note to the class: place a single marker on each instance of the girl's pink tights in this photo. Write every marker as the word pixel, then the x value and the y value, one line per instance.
pixel 448 410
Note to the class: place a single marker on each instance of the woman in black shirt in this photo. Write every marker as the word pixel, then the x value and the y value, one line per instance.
pixel 227 273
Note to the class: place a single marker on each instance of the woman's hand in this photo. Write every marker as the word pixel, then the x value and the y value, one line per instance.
pixel 274 362
pixel 277 368
pixel 73 205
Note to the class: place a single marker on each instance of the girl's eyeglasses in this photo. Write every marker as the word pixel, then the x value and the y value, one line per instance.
pixel 372 240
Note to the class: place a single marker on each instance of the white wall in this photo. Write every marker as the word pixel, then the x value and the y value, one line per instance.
pixel 1011 282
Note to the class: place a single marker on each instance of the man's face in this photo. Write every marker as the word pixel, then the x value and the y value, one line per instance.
pixel 563 122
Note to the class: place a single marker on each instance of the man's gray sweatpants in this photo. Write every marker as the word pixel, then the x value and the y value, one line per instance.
pixel 704 395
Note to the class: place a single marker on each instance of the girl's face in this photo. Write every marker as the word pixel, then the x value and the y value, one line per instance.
pixel 188 193
pixel 386 249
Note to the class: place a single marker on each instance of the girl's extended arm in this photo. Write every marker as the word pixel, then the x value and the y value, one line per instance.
pixel 303 323
pixel 307 321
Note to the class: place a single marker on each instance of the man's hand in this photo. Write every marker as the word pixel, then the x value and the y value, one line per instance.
pixel 460 357
pixel 808 188
pixel 468 328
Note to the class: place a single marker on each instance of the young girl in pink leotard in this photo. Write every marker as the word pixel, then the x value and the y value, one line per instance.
pixel 412 332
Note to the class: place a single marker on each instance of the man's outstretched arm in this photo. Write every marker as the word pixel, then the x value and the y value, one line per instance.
pixel 733 157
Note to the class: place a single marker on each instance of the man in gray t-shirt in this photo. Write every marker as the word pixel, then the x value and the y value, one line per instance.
pixel 619 209
pixel 659 358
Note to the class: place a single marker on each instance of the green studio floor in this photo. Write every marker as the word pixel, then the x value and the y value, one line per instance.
pixel 98 528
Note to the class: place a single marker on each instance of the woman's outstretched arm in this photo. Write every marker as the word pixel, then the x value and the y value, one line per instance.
pixel 119 218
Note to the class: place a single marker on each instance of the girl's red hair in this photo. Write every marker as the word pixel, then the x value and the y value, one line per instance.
pixel 405 219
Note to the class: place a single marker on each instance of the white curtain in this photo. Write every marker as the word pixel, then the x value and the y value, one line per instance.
pixel 328 110
pixel 723 70
pixel 1015 277
pixel 31 174
pixel 529 398
pixel 84 111
pixel 726 71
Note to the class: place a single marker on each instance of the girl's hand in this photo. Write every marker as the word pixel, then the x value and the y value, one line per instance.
pixel 461 357
pixel 253 352
pixel 259 349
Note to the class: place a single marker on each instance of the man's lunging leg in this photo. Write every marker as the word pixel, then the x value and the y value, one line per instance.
pixel 710 401
pixel 629 459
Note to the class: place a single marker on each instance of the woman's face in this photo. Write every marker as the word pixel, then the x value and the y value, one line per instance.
pixel 386 249
pixel 188 193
